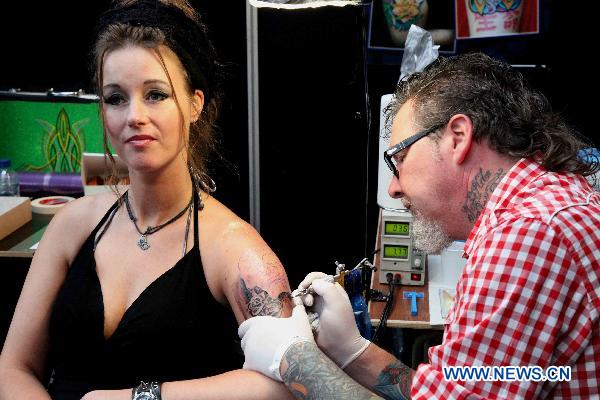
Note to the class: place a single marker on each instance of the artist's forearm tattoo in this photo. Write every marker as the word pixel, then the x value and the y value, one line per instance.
pixel 394 381
pixel 482 187
pixel 259 302
pixel 310 375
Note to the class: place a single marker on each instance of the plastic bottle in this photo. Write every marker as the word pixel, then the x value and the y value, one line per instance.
pixel 9 180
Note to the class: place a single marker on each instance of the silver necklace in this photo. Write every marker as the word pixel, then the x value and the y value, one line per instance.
pixel 143 239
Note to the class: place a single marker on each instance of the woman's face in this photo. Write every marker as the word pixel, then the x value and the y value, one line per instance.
pixel 141 116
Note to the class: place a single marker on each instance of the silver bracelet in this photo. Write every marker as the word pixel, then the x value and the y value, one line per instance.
pixel 146 391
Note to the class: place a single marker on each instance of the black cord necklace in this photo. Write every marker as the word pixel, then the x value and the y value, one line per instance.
pixel 143 240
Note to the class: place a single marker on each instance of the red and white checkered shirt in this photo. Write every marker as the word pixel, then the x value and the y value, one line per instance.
pixel 529 294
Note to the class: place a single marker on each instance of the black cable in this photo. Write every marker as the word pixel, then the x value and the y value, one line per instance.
pixel 389 304
pixel 367 104
pixel 384 317
pixel 386 310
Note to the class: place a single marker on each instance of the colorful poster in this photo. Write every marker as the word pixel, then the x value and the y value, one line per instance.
pixel 390 21
pixel 491 18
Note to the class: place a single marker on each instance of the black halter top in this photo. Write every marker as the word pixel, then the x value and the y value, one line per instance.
pixel 174 330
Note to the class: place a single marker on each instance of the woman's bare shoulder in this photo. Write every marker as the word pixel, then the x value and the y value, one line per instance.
pixel 252 276
pixel 224 224
pixel 86 210
pixel 76 220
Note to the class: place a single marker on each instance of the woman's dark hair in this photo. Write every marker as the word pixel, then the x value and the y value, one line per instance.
pixel 176 25
pixel 515 120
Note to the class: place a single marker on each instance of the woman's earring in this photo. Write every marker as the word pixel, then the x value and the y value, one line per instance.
pixel 208 184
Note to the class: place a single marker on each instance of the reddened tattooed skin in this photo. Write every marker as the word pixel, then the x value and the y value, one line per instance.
pixel 259 302
pixel 262 289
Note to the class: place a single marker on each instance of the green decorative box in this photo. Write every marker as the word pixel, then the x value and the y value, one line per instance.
pixel 49 132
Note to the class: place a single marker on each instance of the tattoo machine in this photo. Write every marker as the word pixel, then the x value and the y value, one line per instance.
pixel 351 280
pixel 310 290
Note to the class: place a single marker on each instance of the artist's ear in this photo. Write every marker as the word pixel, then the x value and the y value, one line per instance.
pixel 460 128
pixel 197 104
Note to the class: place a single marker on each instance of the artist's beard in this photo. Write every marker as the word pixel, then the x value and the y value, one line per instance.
pixel 428 234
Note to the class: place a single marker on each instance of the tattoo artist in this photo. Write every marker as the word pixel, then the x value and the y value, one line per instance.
pixel 482 157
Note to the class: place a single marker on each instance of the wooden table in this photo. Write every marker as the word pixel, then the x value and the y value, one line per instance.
pixel 18 243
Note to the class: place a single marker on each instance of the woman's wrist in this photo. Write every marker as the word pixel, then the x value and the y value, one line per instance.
pixel 146 391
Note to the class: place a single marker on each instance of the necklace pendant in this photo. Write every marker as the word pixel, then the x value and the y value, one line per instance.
pixel 143 243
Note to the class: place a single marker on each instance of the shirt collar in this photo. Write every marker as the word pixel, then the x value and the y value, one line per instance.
pixel 517 177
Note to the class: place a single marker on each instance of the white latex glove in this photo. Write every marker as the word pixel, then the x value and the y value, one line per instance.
pixel 336 331
pixel 265 340
pixel 308 299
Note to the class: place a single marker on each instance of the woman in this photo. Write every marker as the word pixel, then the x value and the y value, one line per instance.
pixel 140 286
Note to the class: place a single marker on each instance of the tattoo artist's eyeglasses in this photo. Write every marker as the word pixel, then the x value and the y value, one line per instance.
pixel 389 154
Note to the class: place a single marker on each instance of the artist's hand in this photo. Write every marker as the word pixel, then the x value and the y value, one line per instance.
pixel 336 331
pixel 123 394
pixel 265 340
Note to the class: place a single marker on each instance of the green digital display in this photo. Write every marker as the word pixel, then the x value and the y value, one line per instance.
pixel 395 251
pixel 397 228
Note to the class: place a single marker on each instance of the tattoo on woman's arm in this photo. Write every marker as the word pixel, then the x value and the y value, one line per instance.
pixel 259 302
pixel 394 381
pixel 310 375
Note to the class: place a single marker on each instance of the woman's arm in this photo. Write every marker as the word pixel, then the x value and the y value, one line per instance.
pixel 233 385
pixel 23 358
pixel 242 269
pixel 255 282
pixel 259 284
